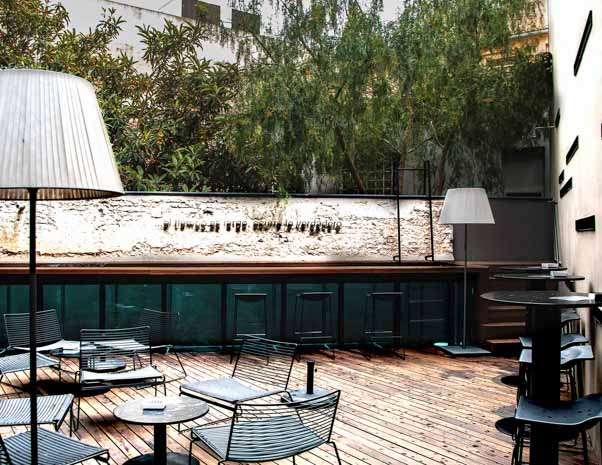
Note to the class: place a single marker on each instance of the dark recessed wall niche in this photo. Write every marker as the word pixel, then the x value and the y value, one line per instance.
pixel 584 38
pixel 564 190
pixel 586 224
pixel 571 153
pixel 557 120
pixel 561 177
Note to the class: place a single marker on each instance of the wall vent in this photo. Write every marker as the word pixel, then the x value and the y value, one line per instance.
pixel 561 177
pixel 573 150
pixel 584 38
pixel 586 224
pixel 557 120
pixel 564 190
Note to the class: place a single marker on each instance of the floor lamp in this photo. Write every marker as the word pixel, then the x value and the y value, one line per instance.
pixel 465 206
pixel 53 146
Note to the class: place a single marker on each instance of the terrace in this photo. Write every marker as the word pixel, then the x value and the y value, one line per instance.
pixel 342 244
pixel 423 410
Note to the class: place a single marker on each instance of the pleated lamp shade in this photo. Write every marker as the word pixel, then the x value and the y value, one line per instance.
pixel 466 206
pixel 53 138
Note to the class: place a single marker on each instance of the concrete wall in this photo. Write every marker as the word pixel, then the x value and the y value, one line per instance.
pixel 523 231
pixel 179 226
pixel 579 99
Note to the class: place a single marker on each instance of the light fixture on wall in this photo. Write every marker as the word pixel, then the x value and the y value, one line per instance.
pixel 54 146
pixel 463 207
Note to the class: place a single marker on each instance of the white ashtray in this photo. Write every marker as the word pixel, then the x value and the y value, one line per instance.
pixel 154 404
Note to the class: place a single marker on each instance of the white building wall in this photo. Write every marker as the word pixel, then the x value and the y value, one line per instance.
pixel 86 14
pixel 579 99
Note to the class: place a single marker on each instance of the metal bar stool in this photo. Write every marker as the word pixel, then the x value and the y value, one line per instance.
pixel 249 298
pixel 376 337
pixel 324 335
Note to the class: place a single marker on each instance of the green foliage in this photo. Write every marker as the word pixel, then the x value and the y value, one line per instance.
pixel 330 93
pixel 166 123
pixel 336 90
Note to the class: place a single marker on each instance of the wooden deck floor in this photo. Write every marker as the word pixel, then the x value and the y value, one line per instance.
pixel 426 409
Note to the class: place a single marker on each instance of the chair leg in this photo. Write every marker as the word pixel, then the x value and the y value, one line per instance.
pixel 336 451
pixel 294 463
pixel 585 450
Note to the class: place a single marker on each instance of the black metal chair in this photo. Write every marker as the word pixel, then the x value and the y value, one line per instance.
pixel 263 367
pixel 20 362
pixel 161 326
pixel 265 432
pixel 49 332
pixel 114 358
pixel 52 410
pixel 307 336
pixel 53 449
pixel 248 298
pixel 376 337
pixel 567 418
pixel 570 321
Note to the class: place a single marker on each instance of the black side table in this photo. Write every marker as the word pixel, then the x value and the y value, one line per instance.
pixel 545 324
pixel 178 410
pixel 537 281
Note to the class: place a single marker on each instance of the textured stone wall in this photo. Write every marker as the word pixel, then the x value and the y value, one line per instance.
pixel 309 229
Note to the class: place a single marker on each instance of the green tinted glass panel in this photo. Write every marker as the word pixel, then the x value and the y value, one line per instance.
pixel 249 314
pixel 198 309
pixel 309 316
pixel 13 299
pixel 124 300
pixel 429 303
pixel 358 310
pixel 77 306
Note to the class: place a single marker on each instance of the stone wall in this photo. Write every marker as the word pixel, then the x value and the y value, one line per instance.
pixel 224 228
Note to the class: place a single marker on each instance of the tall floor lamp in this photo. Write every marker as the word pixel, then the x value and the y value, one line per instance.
pixel 53 146
pixel 465 206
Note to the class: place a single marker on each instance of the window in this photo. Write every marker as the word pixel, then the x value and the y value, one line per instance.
pixel 245 22
pixel 205 12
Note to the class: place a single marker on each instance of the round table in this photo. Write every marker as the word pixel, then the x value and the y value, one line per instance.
pixel 538 281
pixel 178 410
pixel 527 269
pixel 545 325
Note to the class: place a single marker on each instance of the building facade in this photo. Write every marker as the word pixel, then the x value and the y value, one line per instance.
pixel 576 46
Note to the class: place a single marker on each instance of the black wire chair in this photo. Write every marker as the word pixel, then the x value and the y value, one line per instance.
pixel 20 362
pixel 114 358
pixel 263 367
pixel 53 448
pixel 161 326
pixel 52 410
pixel 264 432
pixel 49 335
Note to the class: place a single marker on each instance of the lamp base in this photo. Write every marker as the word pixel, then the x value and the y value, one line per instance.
pixel 459 351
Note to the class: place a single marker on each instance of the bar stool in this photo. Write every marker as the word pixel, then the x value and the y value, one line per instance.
pixel 571 364
pixel 566 341
pixel 568 418
pixel 377 337
pixel 249 298
pixel 322 336
pixel 570 320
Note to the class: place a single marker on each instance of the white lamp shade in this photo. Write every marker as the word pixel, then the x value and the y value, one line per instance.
pixel 53 138
pixel 466 206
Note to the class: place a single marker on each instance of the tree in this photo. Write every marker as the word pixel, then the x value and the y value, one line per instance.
pixel 334 89
pixel 165 125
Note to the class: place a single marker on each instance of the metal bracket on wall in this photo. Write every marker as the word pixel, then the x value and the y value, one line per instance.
pixel 426 173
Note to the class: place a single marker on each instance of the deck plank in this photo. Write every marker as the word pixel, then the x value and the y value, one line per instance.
pixel 424 410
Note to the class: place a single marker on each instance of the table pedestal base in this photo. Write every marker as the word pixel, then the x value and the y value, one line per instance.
pixel 172 459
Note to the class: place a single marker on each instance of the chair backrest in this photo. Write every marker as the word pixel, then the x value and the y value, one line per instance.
pixel 160 324
pixel 47 325
pixel 371 325
pixel 129 346
pixel 265 362
pixel 4 457
pixel 262 432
